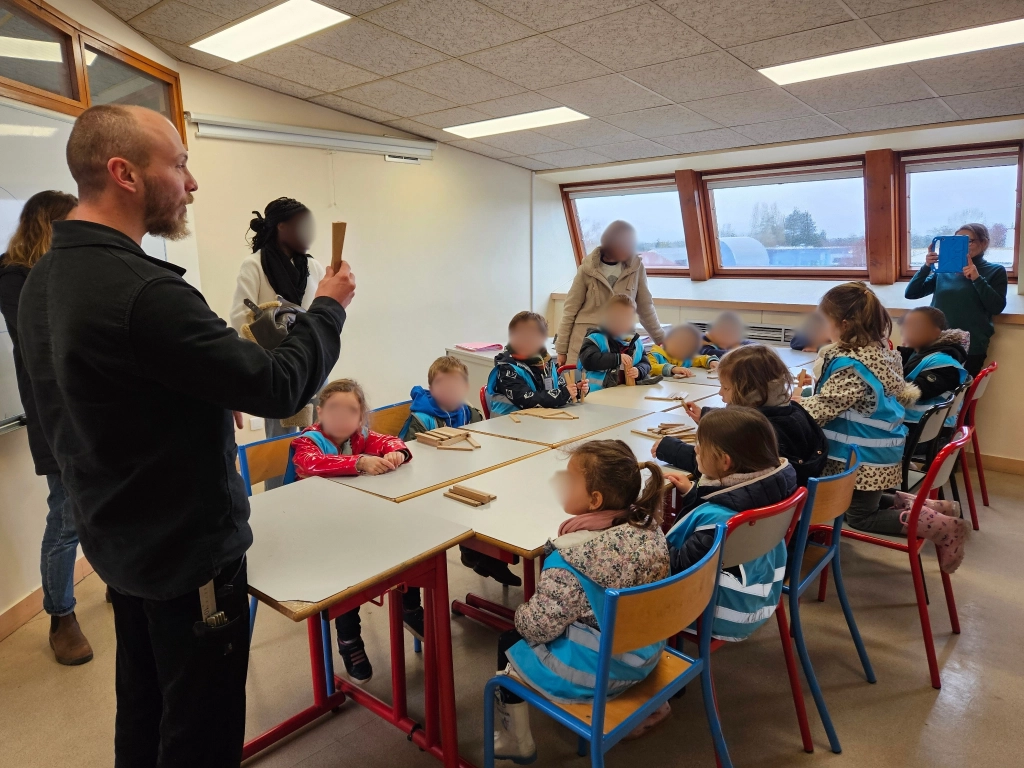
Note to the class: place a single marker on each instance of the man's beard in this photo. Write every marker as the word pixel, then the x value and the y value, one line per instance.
pixel 162 217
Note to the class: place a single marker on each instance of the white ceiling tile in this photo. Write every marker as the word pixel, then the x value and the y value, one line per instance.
pixel 634 38
pixel 637 149
pixel 735 22
pixel 946 16
pixel 751 107
pixel 813 127
pixel 537 62
pixel 272 82
pixel 699 77
pixel 353 108
pixel 528 162
pixel 354 7
pixel 399 98
pixel 127 9
pixel 969 72
pixel 888 85
pixel 459 82
pixel 411 126
pixel 806 45
pixel 605 96
pixel 480 148
pixel 302 65
pixel 190 55
pixel 661 121
pixel 1006 101
pixel 895 115
pixel 456 27
pixel 370 47
pixel 524 142
pixel 865 8
pixel 517 105
pixel 587 133
pixel 446 118
pixel 229 9
pixel 571 158
pixel 704 141
pixel 543 15
pixel 177 22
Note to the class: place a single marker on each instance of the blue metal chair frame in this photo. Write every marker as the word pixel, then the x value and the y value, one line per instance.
pixel 831 555
pixel 592 734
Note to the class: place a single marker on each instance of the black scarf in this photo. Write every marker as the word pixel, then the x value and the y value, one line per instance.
pixel 286 275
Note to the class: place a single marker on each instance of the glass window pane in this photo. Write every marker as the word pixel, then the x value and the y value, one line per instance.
pixel 656 216
pixel 32 52
pixel 942 200
pixel 810 224
pixel 113 82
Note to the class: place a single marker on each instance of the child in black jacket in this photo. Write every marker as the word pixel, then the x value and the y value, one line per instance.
pixel 613 353
pixel 755 376
pixel 525 375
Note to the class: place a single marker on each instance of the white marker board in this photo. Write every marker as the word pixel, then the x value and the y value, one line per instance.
pixel 32 159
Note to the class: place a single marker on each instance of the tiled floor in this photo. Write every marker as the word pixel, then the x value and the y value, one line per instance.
pixel 56 716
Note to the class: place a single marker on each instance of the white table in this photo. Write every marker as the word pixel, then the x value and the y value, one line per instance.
pixel 624 396
pixel 322 547
pixel 793 357
pixel 431 468
pixel 642 445
pixel 554 432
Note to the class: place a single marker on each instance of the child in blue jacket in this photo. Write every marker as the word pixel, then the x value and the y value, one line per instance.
pixel 738 458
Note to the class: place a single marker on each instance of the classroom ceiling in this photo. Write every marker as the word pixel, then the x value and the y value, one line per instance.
pixel 657 78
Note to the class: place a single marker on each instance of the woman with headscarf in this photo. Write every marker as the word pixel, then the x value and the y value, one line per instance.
pixel 279 269
pixel 612 268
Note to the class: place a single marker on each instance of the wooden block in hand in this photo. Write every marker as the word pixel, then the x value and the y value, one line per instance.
pixel 337 243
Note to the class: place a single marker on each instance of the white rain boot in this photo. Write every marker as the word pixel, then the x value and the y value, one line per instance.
pixel 512 737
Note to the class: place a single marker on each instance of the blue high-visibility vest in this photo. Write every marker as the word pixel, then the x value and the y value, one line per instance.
pixel 879 436
pixel 565 669
pixel 596 378
pixel 500 405
pixel 934 360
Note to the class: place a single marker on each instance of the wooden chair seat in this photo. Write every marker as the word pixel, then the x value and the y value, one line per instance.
pixel 621 707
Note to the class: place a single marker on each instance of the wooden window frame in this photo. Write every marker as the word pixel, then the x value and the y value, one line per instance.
pixel 80 37
pixel 956 152
pixel 613 187
pixel 769 171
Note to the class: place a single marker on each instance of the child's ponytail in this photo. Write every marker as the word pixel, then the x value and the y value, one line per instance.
pixel 646 512
pixel 609 466
pixel 858 313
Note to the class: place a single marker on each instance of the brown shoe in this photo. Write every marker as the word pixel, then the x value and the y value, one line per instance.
pixel 67 641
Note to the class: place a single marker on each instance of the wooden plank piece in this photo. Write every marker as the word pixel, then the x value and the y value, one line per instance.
pixel 337 243
pixel 443 447
pixel 463 499
pixel 515 418
pixel 472 493
pixel 472 442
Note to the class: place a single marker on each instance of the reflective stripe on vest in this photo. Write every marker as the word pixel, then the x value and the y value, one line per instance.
pixel 596 378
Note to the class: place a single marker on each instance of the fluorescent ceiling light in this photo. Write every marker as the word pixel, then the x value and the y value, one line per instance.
pixel 270 29
pixel 26 130
pixel 517 122
pixel 36 50
pixel 903 52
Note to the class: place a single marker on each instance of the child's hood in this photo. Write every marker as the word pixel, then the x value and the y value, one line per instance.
pixel 885 364
pixel 603 554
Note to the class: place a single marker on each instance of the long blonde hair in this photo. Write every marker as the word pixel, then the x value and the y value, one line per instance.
pixel 35 226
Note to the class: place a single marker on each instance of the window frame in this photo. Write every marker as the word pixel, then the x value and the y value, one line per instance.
pixel 613 187
pixel 818 167
pixel 79 37
pixel 910 158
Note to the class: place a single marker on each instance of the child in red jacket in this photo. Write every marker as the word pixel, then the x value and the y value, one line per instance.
pixel 341 444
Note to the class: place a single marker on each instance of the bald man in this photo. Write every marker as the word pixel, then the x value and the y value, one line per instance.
pixel 135 379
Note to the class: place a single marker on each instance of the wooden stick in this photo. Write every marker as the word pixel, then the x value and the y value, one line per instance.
pixel 629 382
pixel 472 493
pixel 515 418
pixel 337 243
pixel 666 399
pixel 570 378
pixel 423 437
pixel 645 434
pixel 463 499
pixel 455 448
pixel 452 440
pixel 472 442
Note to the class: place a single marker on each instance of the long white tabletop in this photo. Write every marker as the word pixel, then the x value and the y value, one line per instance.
pixel 642 445
pixel 430 468
pixel 592 418
pixel 315 539
pixel 638 397
pixel 524 516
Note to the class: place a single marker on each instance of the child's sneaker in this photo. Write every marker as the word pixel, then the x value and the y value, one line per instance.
pixel 656 717
pixel 357 663
pixel 414 622
pixel 948 534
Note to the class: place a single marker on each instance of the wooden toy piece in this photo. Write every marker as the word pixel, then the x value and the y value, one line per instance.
pixel 472 493
pixel 643 433
pixel 670 398
pixel 515 418
pixel 570 378
pixel 337 242
pixel 424 437
pixel 443 447
pixel 464 499
pixel 548 413
pixel 447 438
pixel 471 441
pixel 629 382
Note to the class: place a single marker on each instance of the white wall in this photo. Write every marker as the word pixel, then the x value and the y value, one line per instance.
pixel 553 263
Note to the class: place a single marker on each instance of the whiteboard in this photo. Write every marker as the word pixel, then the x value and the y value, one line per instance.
pixel 32 143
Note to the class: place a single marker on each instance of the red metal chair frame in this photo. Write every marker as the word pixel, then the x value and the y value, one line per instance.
pixel 966 419
pixel 913 548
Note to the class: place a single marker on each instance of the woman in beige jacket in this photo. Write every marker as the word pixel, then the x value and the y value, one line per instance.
pixel 613 267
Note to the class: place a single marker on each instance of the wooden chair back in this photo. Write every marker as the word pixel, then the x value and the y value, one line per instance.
pixel 655 612
pixel 263 460
pixel 831 496
pixel 756 532
pixel 389 419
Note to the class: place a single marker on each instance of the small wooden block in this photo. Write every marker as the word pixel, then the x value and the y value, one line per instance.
pixel 515 418
pixel 463 499
pixel 455 447
pixel 651 435
pixel 667 399
pixel 461 437
pixel 472 442
pixel 472 493
pixel 423 437
pixel 570 378
pixel 337 242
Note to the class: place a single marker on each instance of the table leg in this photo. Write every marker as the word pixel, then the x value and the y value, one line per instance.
pixel 445 666
pixel 431 652
pixel 399 699
pixel 495 615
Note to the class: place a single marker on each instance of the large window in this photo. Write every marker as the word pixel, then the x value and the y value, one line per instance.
pixel 796 220
pixel 944 191
pixel 652 208
pixel 48 60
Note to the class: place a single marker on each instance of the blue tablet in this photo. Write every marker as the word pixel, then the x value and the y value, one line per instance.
pixel 952 250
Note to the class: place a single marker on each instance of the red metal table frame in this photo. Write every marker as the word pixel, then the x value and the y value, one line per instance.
pixel 487 612
pixel 438 734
